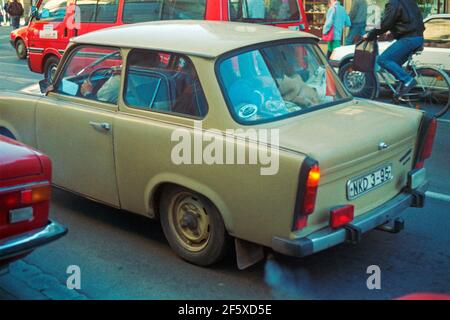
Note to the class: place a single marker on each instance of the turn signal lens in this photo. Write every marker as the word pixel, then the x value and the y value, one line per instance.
pixel 309 198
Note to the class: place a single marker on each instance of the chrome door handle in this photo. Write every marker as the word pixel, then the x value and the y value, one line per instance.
pixel 102 126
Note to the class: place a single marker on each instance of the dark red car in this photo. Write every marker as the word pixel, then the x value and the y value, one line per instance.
pixel 25 187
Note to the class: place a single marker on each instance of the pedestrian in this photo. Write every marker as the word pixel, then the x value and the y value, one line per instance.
pixel 335 22
pixel 5 7
pixel 15 11
pixel 358 17
pixel 403 19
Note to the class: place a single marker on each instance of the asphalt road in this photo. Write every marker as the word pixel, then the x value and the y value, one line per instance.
pixel 124 256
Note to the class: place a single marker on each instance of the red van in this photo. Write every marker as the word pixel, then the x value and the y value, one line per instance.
pixel 53 24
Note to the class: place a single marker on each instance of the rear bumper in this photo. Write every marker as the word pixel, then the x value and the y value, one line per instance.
pixel 335 63
pixel 25 242
pixel 327 237
pixel 12 43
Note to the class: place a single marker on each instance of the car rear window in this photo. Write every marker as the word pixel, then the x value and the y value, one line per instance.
pixel 152 10
pixel 264 11
pixel 278 81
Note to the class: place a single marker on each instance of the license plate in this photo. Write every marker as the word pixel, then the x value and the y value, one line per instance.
pixel 360 185
pixel 19 215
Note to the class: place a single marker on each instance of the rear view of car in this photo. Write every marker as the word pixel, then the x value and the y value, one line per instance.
pixel 25 177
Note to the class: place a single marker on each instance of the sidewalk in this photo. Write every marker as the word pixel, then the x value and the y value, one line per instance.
pixel 27 282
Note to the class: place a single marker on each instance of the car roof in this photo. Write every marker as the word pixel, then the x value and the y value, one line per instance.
pixel 201 38
pixel 437 15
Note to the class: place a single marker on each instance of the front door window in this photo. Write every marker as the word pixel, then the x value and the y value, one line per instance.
pixel 92 73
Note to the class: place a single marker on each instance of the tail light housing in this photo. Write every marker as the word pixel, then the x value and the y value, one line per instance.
pixel 24 197
pixel 307 193
pixel 427 135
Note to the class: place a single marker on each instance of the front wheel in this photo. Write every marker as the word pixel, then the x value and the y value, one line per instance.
pixel 50 68
pixel 193 226
pixel 432 92
pixel 21 49
pixel 359 84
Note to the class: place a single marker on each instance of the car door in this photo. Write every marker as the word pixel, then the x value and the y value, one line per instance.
pixel 75 127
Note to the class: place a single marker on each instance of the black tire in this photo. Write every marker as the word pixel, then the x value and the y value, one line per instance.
pixel 359 84
pixel 432 92
pixel 216 245
pixel 21 49
pixel 50 66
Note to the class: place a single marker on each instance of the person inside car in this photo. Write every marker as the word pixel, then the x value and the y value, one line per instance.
pixel 109 91
pixel 402 19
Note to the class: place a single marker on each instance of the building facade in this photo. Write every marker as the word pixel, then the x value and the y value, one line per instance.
pixel 315 11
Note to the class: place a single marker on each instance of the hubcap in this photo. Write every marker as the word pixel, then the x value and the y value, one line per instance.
pixel 20 48
pixel 51 72
pixel 190 221
pixel 354 81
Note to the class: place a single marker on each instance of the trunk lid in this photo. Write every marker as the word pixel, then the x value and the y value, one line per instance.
pixel 17 160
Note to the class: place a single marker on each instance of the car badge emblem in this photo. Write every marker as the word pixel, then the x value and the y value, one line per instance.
pixel 382 145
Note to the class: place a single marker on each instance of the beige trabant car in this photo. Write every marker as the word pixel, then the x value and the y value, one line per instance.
pixel 231 134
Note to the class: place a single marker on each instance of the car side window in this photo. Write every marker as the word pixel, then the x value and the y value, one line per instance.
pixel 437 29
pixel 52 10
pixel 163 82
pixel 92 72
pixel 98 10
pixel 152 10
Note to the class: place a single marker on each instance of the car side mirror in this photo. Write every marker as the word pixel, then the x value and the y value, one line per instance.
pixel 45 86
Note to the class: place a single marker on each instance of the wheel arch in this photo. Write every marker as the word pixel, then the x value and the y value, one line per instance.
pixel 156 186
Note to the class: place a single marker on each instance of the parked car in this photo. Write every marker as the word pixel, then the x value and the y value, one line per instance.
pixel 19 39
pixel 436 48
pixel 52 26
pixel 25 177
pixel 128 121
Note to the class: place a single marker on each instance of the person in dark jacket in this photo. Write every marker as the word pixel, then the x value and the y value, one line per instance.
pixel 15 11
pixel 403 19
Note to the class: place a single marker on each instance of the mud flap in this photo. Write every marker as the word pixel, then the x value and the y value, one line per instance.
pixel 247 253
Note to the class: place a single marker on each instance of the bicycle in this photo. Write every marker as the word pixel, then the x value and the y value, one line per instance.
pixel 432 92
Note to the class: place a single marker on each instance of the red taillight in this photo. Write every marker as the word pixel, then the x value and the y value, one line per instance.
pixel 308 192
pixel 342 215
pixel 22 198
pixel 309 198
pixel 426 147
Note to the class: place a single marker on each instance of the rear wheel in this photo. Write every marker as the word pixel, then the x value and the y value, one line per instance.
pixel 50 67
pixel 193 226
pixel 360 84
pixel 432 92
pixel 21 49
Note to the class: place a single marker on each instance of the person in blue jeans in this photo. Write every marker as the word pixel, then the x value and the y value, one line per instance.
pixel 403 19
pixel 358 17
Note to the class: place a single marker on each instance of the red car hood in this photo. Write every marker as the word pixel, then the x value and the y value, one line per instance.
pixel 17 160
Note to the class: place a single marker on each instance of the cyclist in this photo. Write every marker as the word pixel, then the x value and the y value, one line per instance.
pixel 402 19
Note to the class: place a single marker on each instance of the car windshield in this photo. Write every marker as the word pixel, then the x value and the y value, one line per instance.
pixel 278 81
pixel 264 11
pixel 437 29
